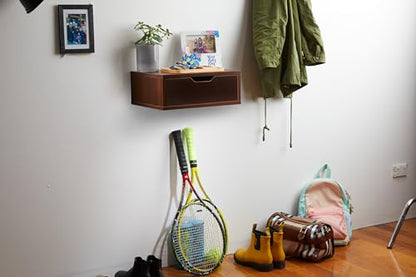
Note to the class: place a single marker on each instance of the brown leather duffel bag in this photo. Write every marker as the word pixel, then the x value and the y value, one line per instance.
pixel 304 238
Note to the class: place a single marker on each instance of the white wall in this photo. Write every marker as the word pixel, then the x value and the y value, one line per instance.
pixel 85 177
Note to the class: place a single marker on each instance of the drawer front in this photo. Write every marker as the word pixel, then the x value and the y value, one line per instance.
pixel 202 90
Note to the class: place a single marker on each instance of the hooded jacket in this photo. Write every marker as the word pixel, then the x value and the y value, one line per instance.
pixel 286 38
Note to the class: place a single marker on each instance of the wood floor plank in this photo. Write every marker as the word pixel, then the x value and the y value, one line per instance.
pixel 367 255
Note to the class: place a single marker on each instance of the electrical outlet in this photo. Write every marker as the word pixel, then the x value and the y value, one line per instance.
pixel 399 170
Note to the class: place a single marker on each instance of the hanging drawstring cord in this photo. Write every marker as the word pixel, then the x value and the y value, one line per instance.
pixel 265 120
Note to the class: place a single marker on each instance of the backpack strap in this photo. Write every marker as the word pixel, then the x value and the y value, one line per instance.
pixel 323 172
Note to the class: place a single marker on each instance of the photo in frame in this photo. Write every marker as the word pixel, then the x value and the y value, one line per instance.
pixel 76 29
pixel 204 44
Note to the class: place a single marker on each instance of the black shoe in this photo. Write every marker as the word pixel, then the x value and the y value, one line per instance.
pixel 139 269
pixel 155 266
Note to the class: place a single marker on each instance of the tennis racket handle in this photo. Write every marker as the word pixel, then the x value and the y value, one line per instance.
pixel 177 138
pixel 189 136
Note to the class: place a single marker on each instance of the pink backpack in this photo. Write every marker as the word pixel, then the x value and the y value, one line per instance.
pixel 326 200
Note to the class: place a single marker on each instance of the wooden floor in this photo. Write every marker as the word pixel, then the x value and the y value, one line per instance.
pixel 367 255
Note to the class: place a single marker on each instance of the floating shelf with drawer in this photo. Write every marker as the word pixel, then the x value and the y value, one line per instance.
pixel 189 90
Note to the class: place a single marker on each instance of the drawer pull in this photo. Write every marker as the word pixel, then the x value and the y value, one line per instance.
pixel 202 79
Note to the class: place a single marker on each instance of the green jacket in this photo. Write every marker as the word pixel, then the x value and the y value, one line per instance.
pixel 286 39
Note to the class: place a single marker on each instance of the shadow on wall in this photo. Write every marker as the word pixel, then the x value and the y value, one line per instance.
pixel 5 3
pixel 250 77
pixel 163 245
pixel 55 25
pixel 124 57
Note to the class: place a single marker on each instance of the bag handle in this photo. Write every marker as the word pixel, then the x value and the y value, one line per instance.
pixel 323 172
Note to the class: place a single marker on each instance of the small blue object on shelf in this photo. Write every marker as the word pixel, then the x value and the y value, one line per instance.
pixel 192 60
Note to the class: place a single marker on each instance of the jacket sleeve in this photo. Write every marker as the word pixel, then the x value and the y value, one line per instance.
pixel 312 45
pixel 269 31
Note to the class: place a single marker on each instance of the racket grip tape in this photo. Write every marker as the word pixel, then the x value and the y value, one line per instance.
pixel 189 136
pixel 177 138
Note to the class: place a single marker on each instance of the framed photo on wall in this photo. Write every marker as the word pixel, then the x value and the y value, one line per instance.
pixel 76 29
pixel 204 44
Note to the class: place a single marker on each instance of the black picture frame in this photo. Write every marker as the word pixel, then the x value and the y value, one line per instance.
pixel 76 29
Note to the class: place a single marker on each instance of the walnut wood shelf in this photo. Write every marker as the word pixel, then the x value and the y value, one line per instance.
pixel 190 90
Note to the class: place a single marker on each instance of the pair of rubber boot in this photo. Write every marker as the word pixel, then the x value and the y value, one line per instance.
pixel 265 251
pixel 151 267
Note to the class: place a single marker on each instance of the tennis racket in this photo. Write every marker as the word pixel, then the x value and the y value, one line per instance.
pixel 198 237
pixel 190 145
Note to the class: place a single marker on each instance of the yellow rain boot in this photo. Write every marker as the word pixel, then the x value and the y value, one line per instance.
pixel 258 255
pixel 278 252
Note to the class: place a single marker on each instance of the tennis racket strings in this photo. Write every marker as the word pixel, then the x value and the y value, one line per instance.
pixel 196 240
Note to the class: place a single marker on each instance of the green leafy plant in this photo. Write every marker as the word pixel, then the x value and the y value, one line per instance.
pixel 152 35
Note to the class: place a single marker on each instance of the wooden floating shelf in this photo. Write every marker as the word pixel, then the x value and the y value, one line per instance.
pixel 165 91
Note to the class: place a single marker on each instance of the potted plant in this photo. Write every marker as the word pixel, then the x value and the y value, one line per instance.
pixel 147 47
